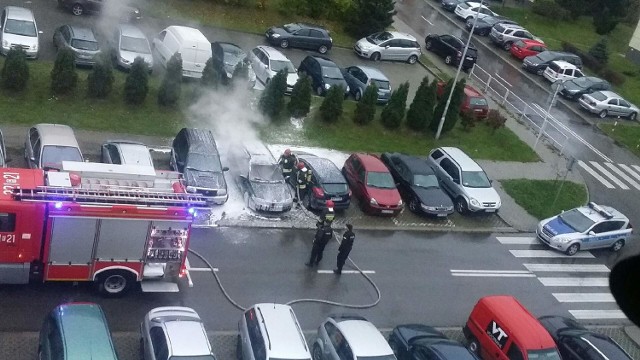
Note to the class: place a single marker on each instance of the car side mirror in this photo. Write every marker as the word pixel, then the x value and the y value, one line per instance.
pixel 592 232
pixel 40 32
pixel 226 168
pixel 33 158
pixel 386 47
pixel 491 182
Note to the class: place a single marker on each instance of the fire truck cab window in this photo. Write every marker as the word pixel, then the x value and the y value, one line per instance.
pixel 7 222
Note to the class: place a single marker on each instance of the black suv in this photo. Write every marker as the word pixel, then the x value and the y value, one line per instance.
pixel 194 153
pixel 305 36
pixel 450 48
pixel 324 74
pixel 538 63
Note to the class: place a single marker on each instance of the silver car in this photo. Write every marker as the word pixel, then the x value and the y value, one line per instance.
pixel 125 153
pixel 266 62
pixel 608 103
pixel 264 188
pixel 360 77
pixel 174 332
pixel 81 40
pixel 345 336
pixel 129 43
pixel 389 45
pixel 48 145
pixel 19 30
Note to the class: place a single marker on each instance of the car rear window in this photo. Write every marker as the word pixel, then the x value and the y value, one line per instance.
pixel 555 67
pixel 599 96
pixel 336 188
pixel 545 354
pixel 84 45
pixel 381 84
pixel 472 52
pixel 499 28
pixel 464 5
pixel 477 101
pixel 520 44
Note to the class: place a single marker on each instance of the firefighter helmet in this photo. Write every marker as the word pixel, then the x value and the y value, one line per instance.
pixel 300 165
pixel 330 203
pixel 287 152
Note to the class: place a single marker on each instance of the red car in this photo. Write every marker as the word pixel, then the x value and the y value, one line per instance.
pixel 523 48
pixel 372 183
pixel 473 100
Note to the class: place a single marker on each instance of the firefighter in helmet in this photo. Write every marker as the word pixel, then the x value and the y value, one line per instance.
pixel 288 163
pixel 300 181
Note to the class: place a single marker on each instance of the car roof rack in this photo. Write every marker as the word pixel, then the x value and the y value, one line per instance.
pixel 600 210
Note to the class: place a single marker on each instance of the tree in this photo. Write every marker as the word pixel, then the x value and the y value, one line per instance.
pixel 421 110
pixel 100 79
pixel 599 50
pixel 467 119
pixel 495 120
pixel 15 72
pixel 393 114
pixel 64 77
pixel 366 107
pixel 272 100
pixel 331 107
pixel 136 86
pixel 454 107
pixel 300 102
pixel 605 22
pixel 439 109
pixel 366 17
pixel 211 76
pixel 169 92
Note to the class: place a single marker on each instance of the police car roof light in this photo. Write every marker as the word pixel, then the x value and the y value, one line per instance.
pixel 600 210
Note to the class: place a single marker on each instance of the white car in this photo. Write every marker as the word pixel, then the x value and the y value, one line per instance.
pixel 19 30
pixel 561 70
pixel 584 228
pixel 468 10
pixel 129 43
pixel 267 62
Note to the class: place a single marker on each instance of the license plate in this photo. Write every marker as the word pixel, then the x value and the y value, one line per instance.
pixel 387 211
pixel 490 210
pixel 442 215
pixel 469 58
pixel 336 198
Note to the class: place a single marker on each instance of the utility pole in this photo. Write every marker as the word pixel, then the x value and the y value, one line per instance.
pixel 556 87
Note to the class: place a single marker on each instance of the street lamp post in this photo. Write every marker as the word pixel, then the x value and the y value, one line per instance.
pixel 556 86
pixel 455 79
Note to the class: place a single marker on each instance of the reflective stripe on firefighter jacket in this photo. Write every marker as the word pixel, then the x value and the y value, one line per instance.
pixel 301 179
pixel 287 163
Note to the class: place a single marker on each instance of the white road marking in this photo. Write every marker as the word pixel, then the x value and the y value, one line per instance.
pixel 630 171
pixel 609 175
pixel 423 18
pixel 574 281
pixel 203 269
pixel 597 314
pixel 636 167
pixel 548 254
pixel 492 273
pixel 623 175
pixel 560 268
pixel 595 174
pixel 347 272
pixel 517 240
pixel 584 297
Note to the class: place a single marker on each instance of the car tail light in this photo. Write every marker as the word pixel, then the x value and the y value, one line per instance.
pixel 318 192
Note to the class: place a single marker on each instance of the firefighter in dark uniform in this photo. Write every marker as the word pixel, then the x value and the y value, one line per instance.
pixel 300 182
pixel 328 213
pixel 288 163
pixel 323 235
pixel 345 248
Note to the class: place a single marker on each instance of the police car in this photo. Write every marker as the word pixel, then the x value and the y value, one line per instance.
pixel 584 228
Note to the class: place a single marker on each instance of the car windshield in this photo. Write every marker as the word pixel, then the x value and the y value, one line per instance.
pixel 581 82
pixel 331 72
pixel 576 220
pixel 599 96
pixel 546 56
pixel 84 45
pixel 477 101
pixel 383 357
pixel 377 38
pixel 21 27
pixel 425 181
pixel 265 173
pixel 53 155
pixel 277 65
pixel 291 28
pixel 490 20
pixel 545 354
pixel 200 357
pixel 137 45
pixel 381 180
pixel 520 44
pixel 233 54
pixel 202 162
pixel 475 179
pixel 382 84
pixel 340 188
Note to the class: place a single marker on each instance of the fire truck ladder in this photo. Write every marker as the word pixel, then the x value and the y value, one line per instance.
pixel 110 196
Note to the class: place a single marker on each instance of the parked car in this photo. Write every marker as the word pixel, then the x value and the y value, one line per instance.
pixel 327 183
pixel 418 185
pixel 195 154
pixel 81 40
pixel 422 342
pixel 263 186
pixel 359 77
pixel 464 180
pixel 48 145
pixel 450 5
pixel 526 47
pixel 573 89
pixel 129 43
pixel 561 70
pixel 538 63
pixel 586 227
pixel 451 49
pixel 123 10
pixel 608 103
pixel 125 153
pixel 193 46
pixel 324 74
pixel 267 61
pixel 275 325
pixel 472 101
pixel 389 45
pixel 576 342
pixel 174 332
pixel 230 55
pixel 343 336
pixel 468 9
pixel 485 23
pixel 300 35
pixel 18 29
pixel 505 35
pixel 3 152
pixel 372 184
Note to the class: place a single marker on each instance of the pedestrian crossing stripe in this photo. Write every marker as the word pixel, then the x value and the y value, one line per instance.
pixel 584 297
pixel 613 176
pixel 595 175
pixel 518 240
pixel 567 268
pixel 609 175
pixel 597 314
pixel 575 281
pixel 623 175
pixel 548 254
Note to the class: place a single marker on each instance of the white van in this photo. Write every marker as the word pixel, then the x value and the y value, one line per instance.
pixel 192 45
pixel 18 30
pixel 561 70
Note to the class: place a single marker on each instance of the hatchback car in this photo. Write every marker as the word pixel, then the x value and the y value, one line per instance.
pixel 48 145
pixel 263 186
pixel 523 48
pixel 372 184
pixel 421 342
pixel 561 70
pixel 389 45
pixel 451 49
pixel 468 10
pixel 195 154
pixel 472 100
pixel 586 227
pixel 125 153
pixel 79 7
pixel 267 62
pixel 174 332
pixel 327 183
pixel 129 43
pixel 418 185
pixel 608 103
pixel 538 63
pixel 229 55
pixel 573 89
pixel 344 336
pixel 360 77
pixel 505 35
pixel 80 40
pixel 299 35
pixel 577 343
pixel 18 30
pixel 484 24
pixel 324 74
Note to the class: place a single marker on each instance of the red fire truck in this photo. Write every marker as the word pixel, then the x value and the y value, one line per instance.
pixel 114 225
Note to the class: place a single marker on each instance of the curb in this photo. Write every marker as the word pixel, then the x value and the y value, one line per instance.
pixel 633 332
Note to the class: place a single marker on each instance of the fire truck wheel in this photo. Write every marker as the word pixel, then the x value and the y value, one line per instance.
pixel 115 283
